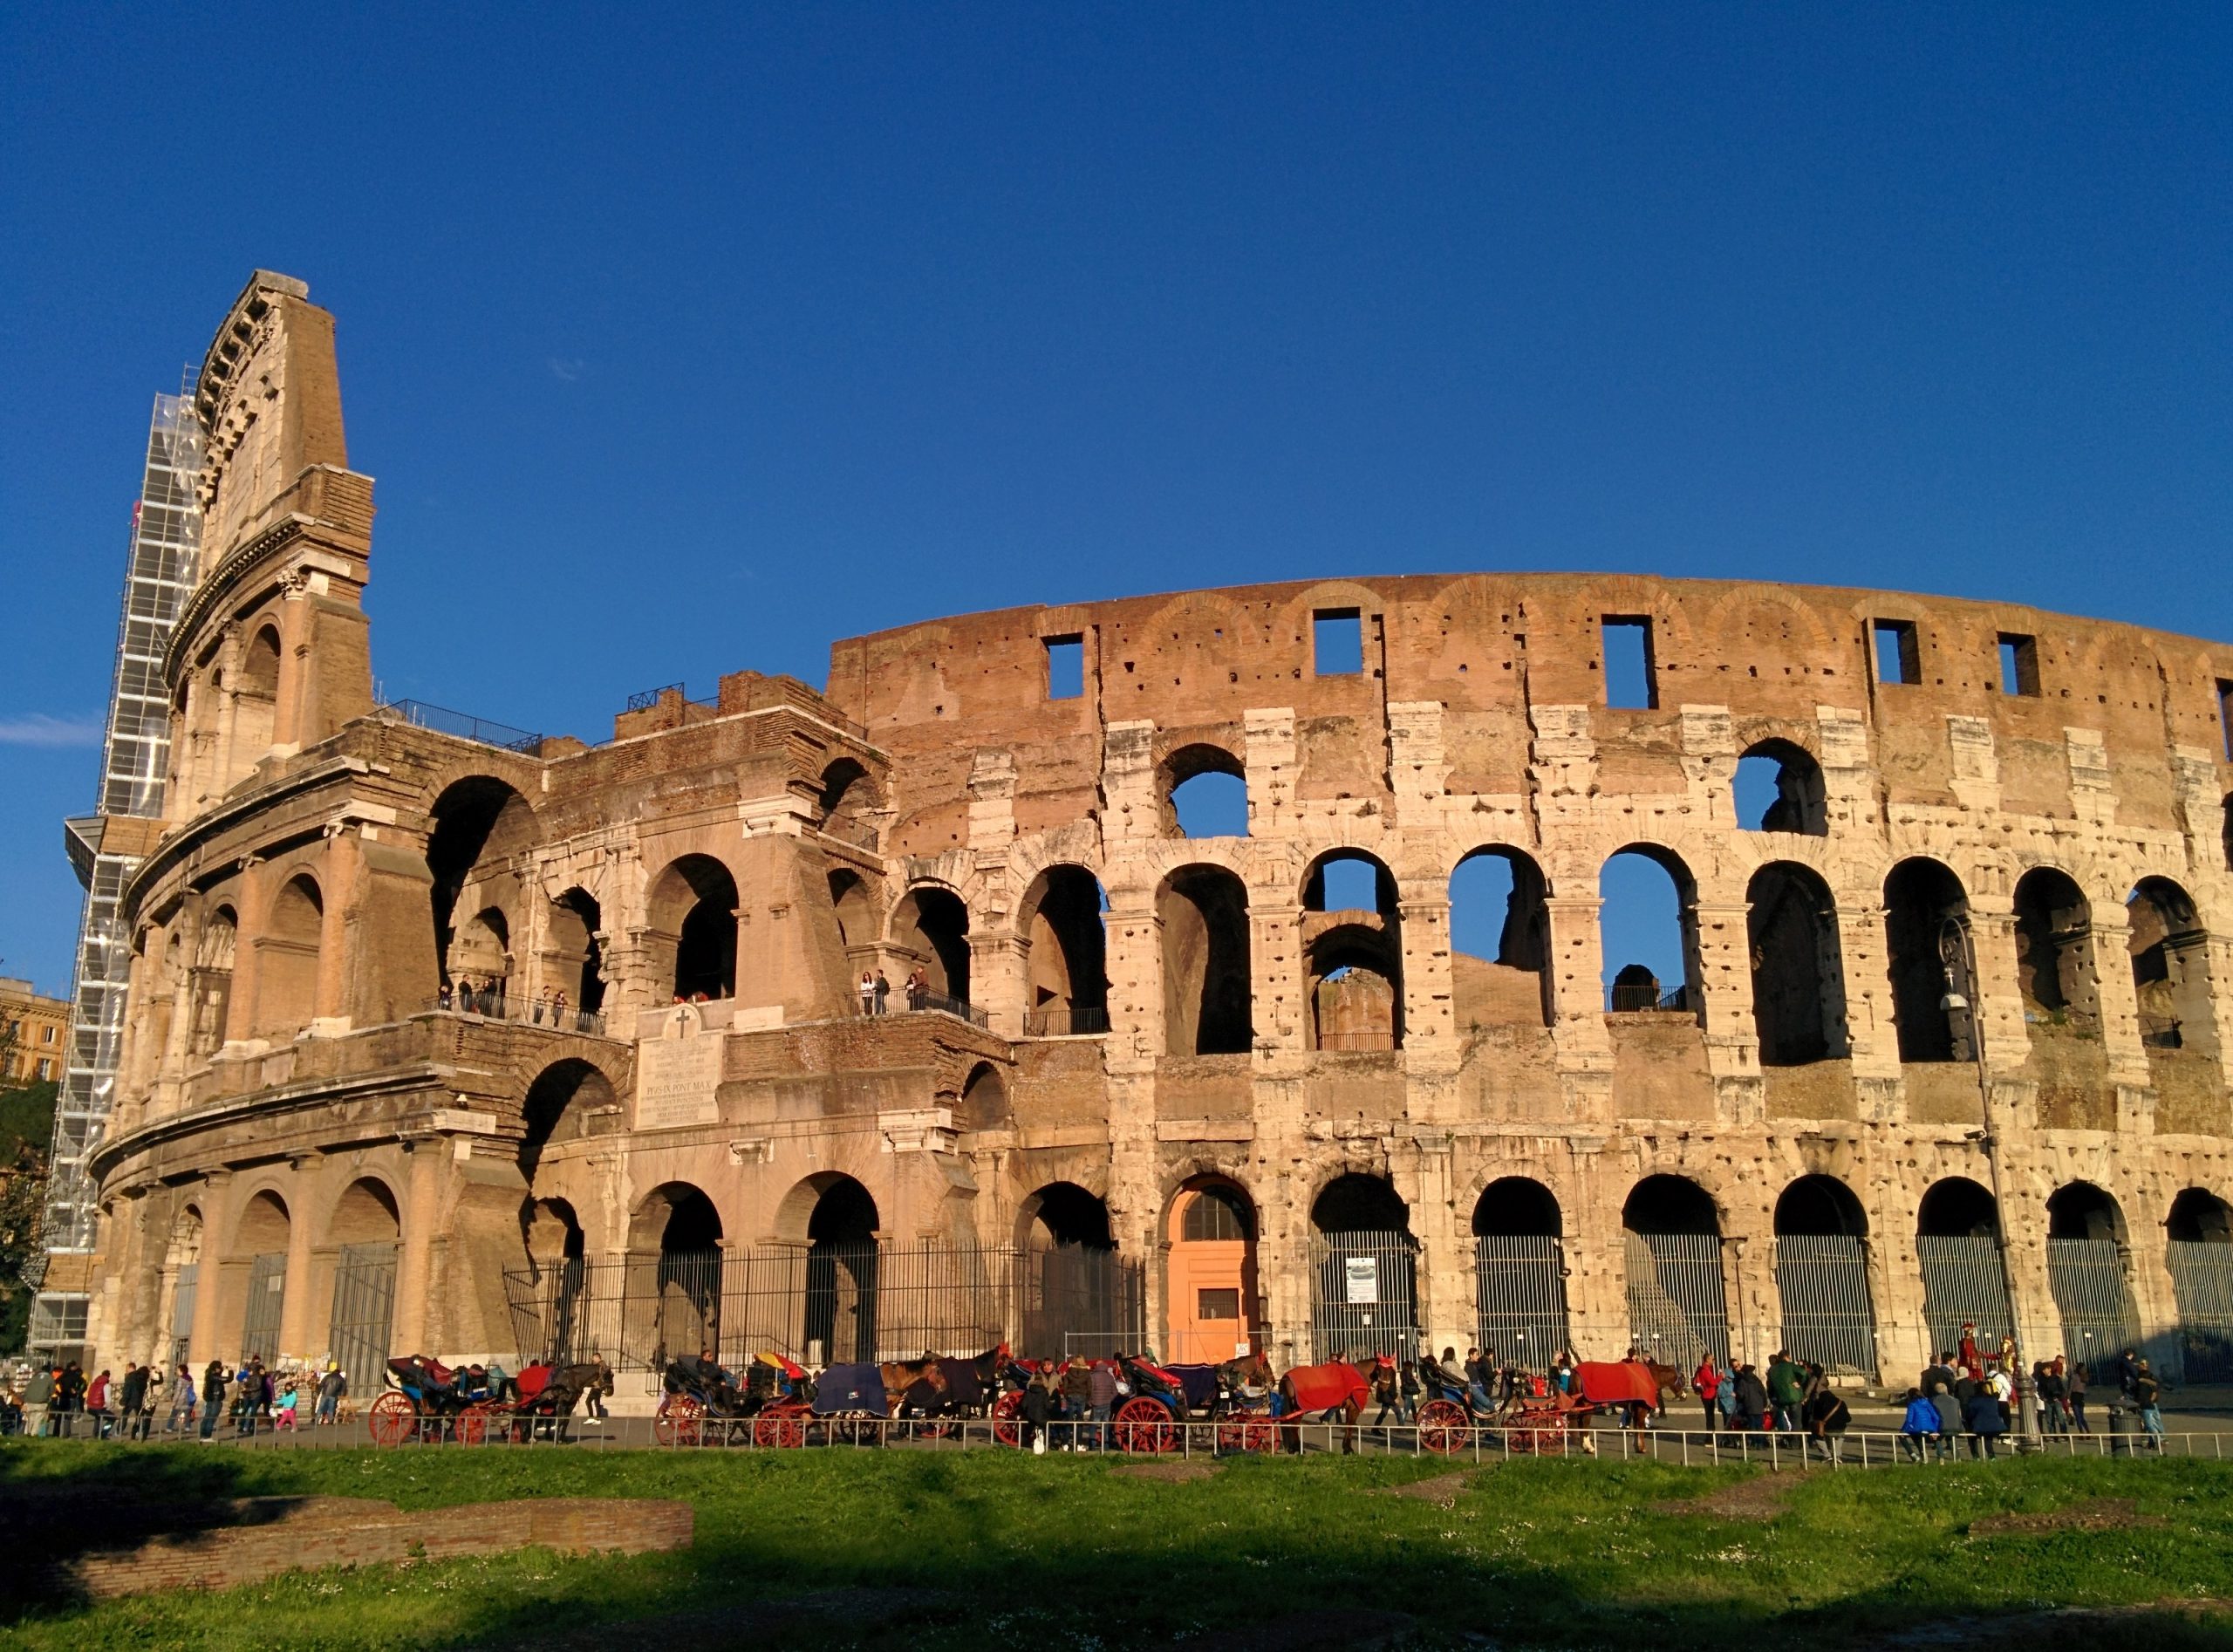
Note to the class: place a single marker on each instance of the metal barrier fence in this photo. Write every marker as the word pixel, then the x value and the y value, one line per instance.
pixel 1822 1280
pixel 2201 1279
pixel 2087 1278
pixel 1364 1295
pixel 1963 1284
pixel 1678 1306
pixel 527 1012
pixel 1519 1300
pixel 828 1303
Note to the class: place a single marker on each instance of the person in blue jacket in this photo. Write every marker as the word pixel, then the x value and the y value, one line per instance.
pixel 1919 1425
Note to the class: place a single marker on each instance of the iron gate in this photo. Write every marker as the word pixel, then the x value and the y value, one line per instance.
pixel 1519 1300
pixel 2087 1278
pixel 1364 1295
pixel 183 1297
pixel 363 1305
pixel 1082 1296
pixel 1678 1306
pixel 2202 1280
pixel 1828 1317
pixel 1962 1285
pixel 267 1306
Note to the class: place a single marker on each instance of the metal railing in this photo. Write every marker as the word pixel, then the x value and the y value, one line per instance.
pixel 1645 998
pixel 524 1012
pixel 860 834
pixel 464 725
pixel 2161 1032
pixel 900 1002
pixel 1069 1021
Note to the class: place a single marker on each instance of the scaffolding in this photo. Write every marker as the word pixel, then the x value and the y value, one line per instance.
pixel 161 569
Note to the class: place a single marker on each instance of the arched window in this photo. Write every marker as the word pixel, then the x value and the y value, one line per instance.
pixel 1678 1303
pixel 259 672
pixel 930 928
pixel 1647 925
pixel 1520 1297
pixel 259 1263
pixel 211 986
pixel 1353 953
pixel 1779 788
pixel 693 910
pixel 367 1233
pixel 1219 1213
pixel 1500 941
pixel 577 960
pixel 1066 978
pixel 2200 1259
pixel 1364 1271
pixel 1205 793
pixel 2170 969
pixel 2054 950
pixel 848 799
pixel 840 1272
pixel 1957 1247
pixel 568 1101
pixel 1924 909
pixel 1798 980
pixel 2086 1275
pixel 482 830
pixel 1206 984
pixel 983 1100
pixel 1822 1277
pixel 288 952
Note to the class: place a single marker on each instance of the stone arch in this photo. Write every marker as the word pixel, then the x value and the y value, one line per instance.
pixel 691 928
pixel 1633 985
pixel 481 951
pixel 1520 1297
pixel 365 1229
pixel 1358 1202
pixel 1518 1207
pixel 848 793
pixel 2054 950
pixel 1957 1207
pixel 2085 1211
pixel 1819 1205
pixel 859 923
pixel 2198 1254
pixel 1821 1267
pixel 1207 985
pixel 2088 1274
pixel 481 827
pixel 576 955
pixel 1202 790
pixel 1353 958
pixel 2199 1216
pixel 568 1101
pixel 1064 1214
pixel 289 953
pixel 258 677
pixel 1924 903
pixel 2170 968
pixel 839 1222
pixel 1211 1287
pixel 1799 1009
pixel 1664 1203
pixel 675 1218
pixel 802 1218
pixel 1504 979
pixel 1779 787
pixel 1361 1231
pixel 930 929
pixel 1065 949
pixel 984 1100
pixel 674 1237
pixel 368 1212
pixel 216 945
pixel 1677 1293
pixel 257 1265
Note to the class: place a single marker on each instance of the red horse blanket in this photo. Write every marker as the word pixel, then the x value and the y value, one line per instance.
pixel 1318 1387
pixel 1621 1384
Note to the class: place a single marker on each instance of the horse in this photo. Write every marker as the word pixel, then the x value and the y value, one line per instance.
pixel 1335 1389
pixel 961 1384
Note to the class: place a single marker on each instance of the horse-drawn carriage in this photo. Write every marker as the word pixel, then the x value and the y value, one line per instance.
pixel 701 1403
pixel 1540 1419
pixel 428 1401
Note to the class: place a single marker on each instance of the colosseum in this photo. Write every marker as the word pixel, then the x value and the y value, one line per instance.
pixel 446 1040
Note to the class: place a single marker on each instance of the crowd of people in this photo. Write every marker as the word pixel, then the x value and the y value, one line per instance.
pixel 492 996
pixel 874 990
pixel 64 1401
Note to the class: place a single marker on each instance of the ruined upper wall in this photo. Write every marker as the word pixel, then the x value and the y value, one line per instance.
pixel 1495 650
pixel 269 402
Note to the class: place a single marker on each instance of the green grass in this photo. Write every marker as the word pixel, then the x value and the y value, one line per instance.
pixel 1056 1552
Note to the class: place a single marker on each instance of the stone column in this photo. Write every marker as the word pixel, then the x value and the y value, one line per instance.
pixel 415 1263
pixel 1282 1018
pixel 297 1312
pixel 1423 912
pixel 1577 964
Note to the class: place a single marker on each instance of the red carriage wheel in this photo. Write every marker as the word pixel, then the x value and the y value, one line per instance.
pixel 1006 1429
pixel 1444 1426
pixel 1143 1426
pixel 1232 1434
pixel 1259 1434
pixel 679 1422
pixel 790 1431
pixel 767 1430
pixel 393 1418
pixel 473 1423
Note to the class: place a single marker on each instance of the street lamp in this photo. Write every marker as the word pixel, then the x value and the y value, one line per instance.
pixel 1956 951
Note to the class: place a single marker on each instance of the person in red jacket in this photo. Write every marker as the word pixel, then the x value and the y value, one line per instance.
pixel 1707 1380
pixel 96 1405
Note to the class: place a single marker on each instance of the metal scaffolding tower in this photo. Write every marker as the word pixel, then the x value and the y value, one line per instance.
pixel 160 573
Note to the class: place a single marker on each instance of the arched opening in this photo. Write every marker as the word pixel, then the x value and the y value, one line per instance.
pixel 578 952
pixel 857 924
pixel 840 1274
pixel 1213 1294
pixel 2054 952
pixel 1500 941
pixel 1206 986
pixel 1779 788
pixel 210 988
pixel 1822 1277
pixel 1204 794
pixel 983 1100
pixel 930 927
pixel 1798 1008
pixel 1648 927
pixel 260 1262
pixel 1353 953
pixel 1075 1287
pixel 1519 1293
pixel 1931 1003
pixel 1364 1268
pixel 1679 1300
pixel 2087 1276
pixel 480 962
pixel 568 1101
pixel 2200 1257
pixel 1957 1247
pixel 182 1261
pixel 367 1231
pixel 2170 969
pixel 693 912
pixel 288 956
pixel 675 1238
pixel 2227 833
pixel 552 1317
pixel 849 796
pixel 1066 979
pixel 482 828
pixel 259 673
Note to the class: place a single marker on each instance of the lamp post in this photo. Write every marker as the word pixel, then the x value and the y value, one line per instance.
pixel 1955 951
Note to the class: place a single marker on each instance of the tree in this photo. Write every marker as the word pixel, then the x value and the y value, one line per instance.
pixel 26 1129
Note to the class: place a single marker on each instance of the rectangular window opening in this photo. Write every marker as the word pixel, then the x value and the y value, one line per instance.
pixel 1217 1304
pixel 1066 667
pixel 1337 643
pixel 2225 715
pixel 2020 665
pixel 1899 652
pixel 1631 681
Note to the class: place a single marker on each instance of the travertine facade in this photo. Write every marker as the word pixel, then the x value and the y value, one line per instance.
pixel 295 1085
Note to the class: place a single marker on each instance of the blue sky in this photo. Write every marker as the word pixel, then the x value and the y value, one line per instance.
pixel 684 342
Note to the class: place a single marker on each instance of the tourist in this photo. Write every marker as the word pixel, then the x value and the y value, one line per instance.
pixel 882 992
pixel 213 1398
pixel 1828 1418
pixel 133 1402
pixel 70 1397
pixel 2047 1386
pixel 2074 1395
pixel 2123 1370
pixel 442 998
pixel 1949 1418
pixel 1407 1382
pixel 1038 1407
pixel 1786 1389
pixel 1940 1371
pixel 1478 1374
pixel 1986 1422
pixel 1752 1399
pixel 558 1009
pixel 247 1392
pixel 1381 1380
pixel 11 1411
pixel 184 1394
pixel 282 1414
pixel 1707 1380
pixel 331 1388
pixel 1562 1372
pixel 2147 1395
pixel 1918 1425
pixel 96 1411
pixel 866 988
pixel 38 1401
pixel 2003 1384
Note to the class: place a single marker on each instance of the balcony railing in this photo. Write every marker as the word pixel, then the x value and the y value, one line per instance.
pixel 526 1011
pixel 900 1004
pixel 1645 998
pixel 2161 1032
pixel 480 730
pixel 859 834
pixel 1066 1021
